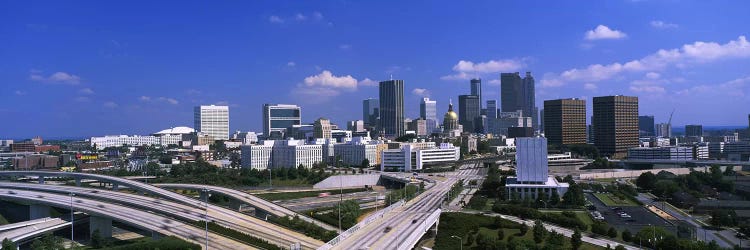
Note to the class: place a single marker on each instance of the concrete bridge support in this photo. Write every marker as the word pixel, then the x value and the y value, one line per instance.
pixel 155 235
pixel 78 182
pixel 115 187
pixel 40 179
pixel 104 225
pixel 37 211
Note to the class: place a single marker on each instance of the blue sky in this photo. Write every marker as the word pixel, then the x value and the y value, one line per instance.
pixel 87 68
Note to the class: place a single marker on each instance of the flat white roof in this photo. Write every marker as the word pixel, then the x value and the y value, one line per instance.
pixel 551 182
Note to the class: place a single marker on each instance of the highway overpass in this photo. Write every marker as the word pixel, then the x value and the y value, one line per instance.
pixel 103 212
pixel 23 231
pixel 257 202
pixel 225 217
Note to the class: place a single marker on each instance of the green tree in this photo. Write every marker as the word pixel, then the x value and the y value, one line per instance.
pixel 96 239
pixel 500 234
pixel 575 240
pixel 646 181
pixel 554 241
pixel 152 168
pixel 365 163
pixel 627 236
pixel 612 233
pixel 47 242
pixel 554 198
pixel 620 247
pixel 539 232
pixel 574 196
pixel 524 228
pixel 350 211
pixel 8 244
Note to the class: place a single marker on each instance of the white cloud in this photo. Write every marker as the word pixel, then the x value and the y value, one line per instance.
pixel 663 25
pixel 695 53
pixel 86 91
pixel 300 17
pixel 144 98
pixel 20 93
pixel 275 19
pixel 590 86
pixel 421 92
pixel 648 89
pixel 327 79
pixel 82 99
pixel 317 15
pixel 494 82
pixel 604 32
pixel 57 77
pixel 291 64
pixel 368 82
pixel 736 88
pixel 653 75
pixel 169 100
pixel 551 82
pixel 345 46
pixel 110 105
pixel 465 70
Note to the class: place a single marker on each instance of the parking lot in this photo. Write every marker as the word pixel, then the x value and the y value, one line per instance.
pixel 639 218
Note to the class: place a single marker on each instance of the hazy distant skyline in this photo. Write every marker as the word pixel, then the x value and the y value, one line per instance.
pixel 74 69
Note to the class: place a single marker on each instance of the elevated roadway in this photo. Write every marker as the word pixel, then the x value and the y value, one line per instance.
pixel 131 216
pixel 225 217
pixel 22 231
pixel 252 200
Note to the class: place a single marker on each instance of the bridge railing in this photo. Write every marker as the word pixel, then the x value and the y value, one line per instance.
pixel 373 217
pixel 417 234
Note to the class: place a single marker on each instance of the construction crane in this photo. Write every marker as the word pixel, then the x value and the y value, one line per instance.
pixel 669 123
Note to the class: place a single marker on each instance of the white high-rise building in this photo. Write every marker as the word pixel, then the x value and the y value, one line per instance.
pixel 428 111
pixel 281 154
pixel 533 180
pixel 213 121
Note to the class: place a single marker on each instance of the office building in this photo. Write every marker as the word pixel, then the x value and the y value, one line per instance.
pixel 646 125
pixel 541 120
pixel 356 126
pixel 664 130
pixel 491 112
pixel 476 89
pixel 615 124
pixel 410 157
pixel 693 130
pixel 370 111
pixel 737 151
pixel 300 132
pixel 353 152
pixel 392 108
pixel 280 154
pixel 278 117
pixel 245 138
pixel 505 120
pixel 565 121
pixel 468 111
pixel 532 178
pixel 107 141
pixel 212 120
pixel 517 93
pixel 661 153
pixel 322 129
pixel 428 111
pixel 419 126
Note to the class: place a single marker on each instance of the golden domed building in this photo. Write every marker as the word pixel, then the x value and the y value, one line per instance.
pixel 450 120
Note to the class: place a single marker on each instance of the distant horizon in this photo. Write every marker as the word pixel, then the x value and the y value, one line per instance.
pixel 675 128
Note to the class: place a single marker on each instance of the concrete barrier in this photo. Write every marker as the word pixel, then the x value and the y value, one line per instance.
pixel 636 173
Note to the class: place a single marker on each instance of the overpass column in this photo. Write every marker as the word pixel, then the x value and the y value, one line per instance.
pixel 155 235
pixel 115 187
pixel 41 179
pixel 78 182
pixel 38 211
pixel 103 224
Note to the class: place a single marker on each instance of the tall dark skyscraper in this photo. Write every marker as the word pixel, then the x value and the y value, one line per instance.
pixel 565 121
pixel 517 93
pixel 646 125
pixel 693 130
pixel 392 108
pixel 491 109
pixel 615 124
pixel 370 114
pixel 468 111
pixel 476 89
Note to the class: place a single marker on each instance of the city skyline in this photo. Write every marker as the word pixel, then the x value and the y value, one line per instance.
pixel 120 81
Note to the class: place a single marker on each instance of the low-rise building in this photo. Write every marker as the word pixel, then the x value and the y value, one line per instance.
pixel 412 156
pixel 661 153
pixel 281 154
pixel 354 152
pixel 36 161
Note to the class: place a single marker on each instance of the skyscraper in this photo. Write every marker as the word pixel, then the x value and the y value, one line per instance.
pixel 322 128
pixel 646 125
pixel 476 89
pixel 615 124
pixel 491 109
pixel 370 111
pixel 518 94
pixel 565 121
pixel 278 117
pixel 212 120
pixel 468 111
pixel 428 112
pixel 392 108
pixel 693 130
pixel 663 130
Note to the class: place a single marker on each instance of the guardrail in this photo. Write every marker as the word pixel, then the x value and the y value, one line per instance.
pixel 414 237
pixel 379 214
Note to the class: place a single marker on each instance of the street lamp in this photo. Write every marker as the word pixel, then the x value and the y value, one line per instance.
pixel 341 197
pixel 72 220
pixel 207 194
pixel 460 242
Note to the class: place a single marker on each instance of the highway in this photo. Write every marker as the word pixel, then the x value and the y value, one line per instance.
pixel 225 217
pixel 253 200
pixel 127 215
pixel 25 230
pixel 309 203
pixel 402 220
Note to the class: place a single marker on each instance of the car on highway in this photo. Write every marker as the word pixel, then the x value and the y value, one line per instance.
pixel 414 221
pixel 323 195
pixel 387 229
